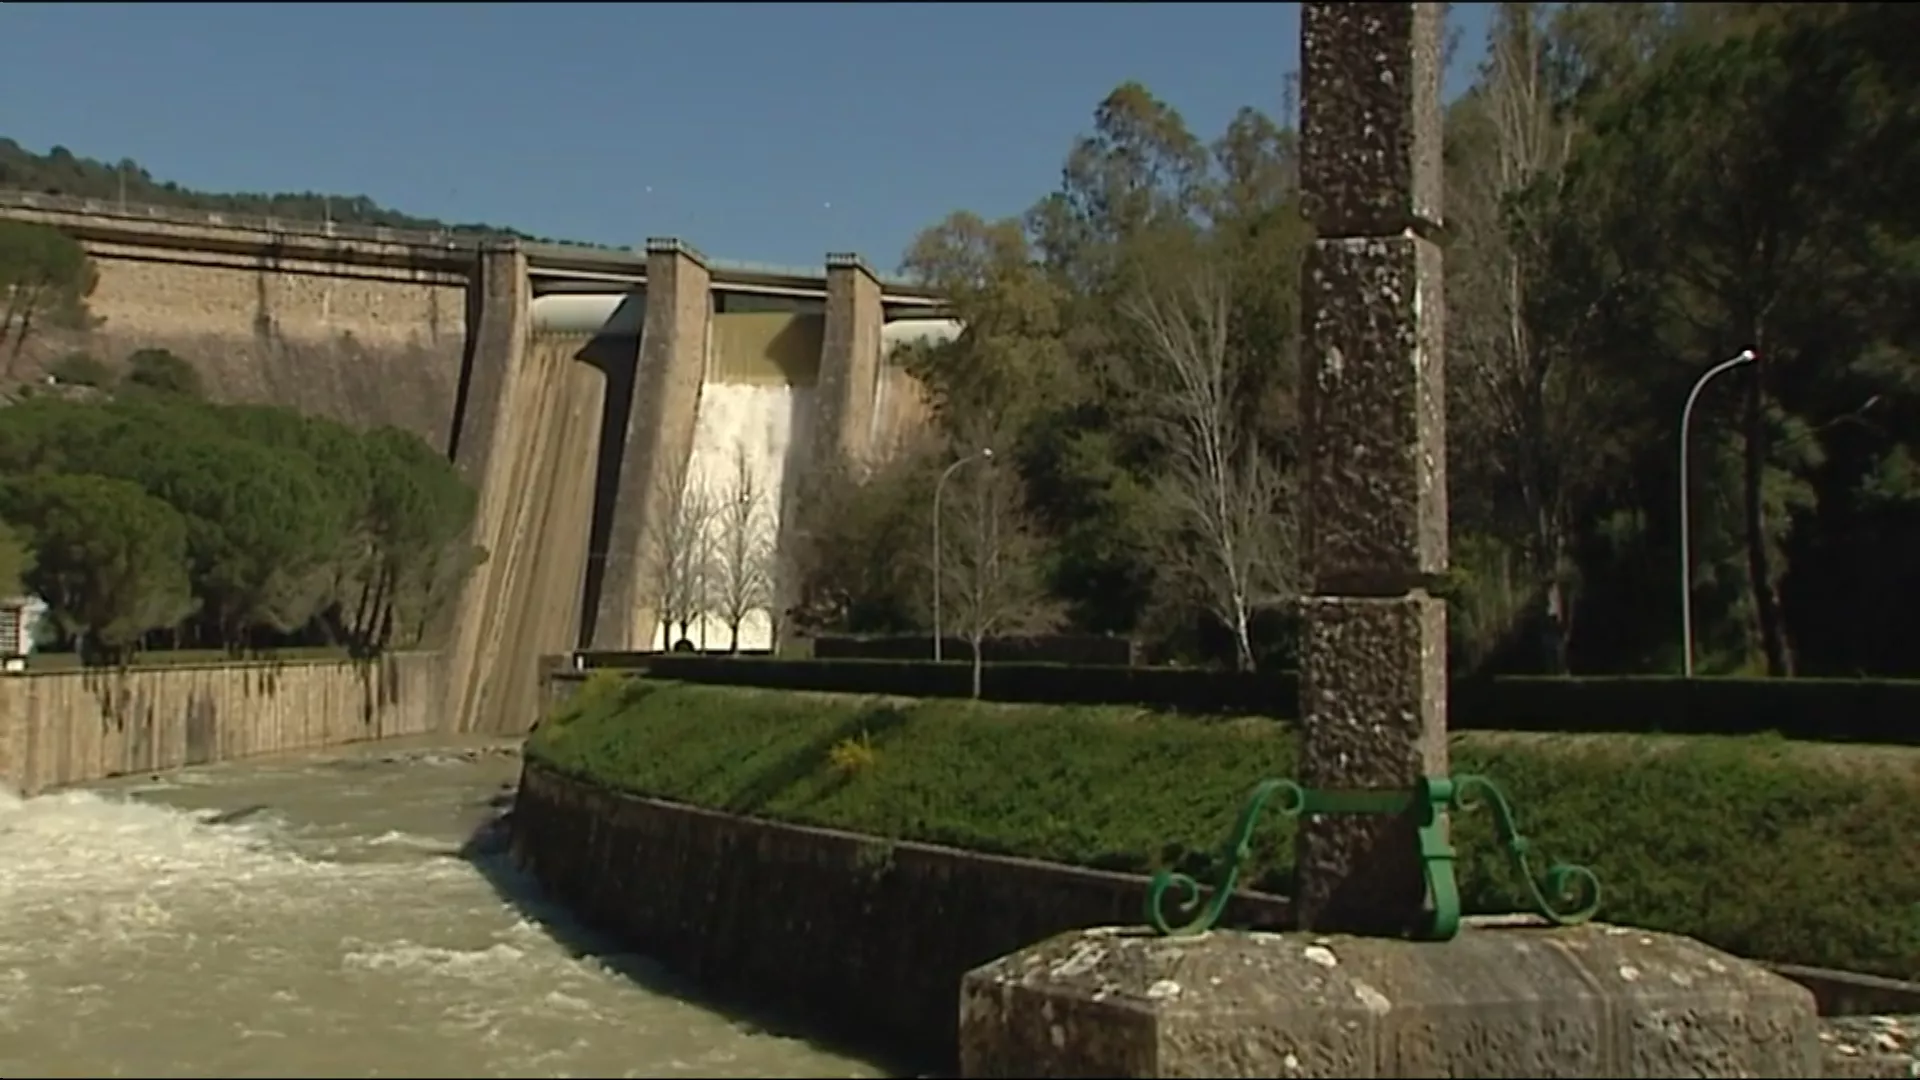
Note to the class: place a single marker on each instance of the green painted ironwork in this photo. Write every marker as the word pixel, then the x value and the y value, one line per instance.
pixel 1565 895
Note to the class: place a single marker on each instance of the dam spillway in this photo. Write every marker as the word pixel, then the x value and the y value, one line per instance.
pixel 707 440
pixel 752 439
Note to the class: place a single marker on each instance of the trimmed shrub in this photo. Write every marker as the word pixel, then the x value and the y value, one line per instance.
pixel 1176 689
pixel 1035 649
pixel 1831 710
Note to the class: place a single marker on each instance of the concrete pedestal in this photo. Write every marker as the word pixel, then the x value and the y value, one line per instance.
pixel 1497 1001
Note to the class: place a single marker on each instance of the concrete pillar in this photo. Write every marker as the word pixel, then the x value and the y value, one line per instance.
pixel 1373 682
pixel 1349 997
pixel 499 298
pixel 498 301
pixel 849 362
pixel 524 436
pixel 658 442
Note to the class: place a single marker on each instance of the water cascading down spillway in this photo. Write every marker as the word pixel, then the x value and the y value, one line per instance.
pixel 753 437
pixel 751 433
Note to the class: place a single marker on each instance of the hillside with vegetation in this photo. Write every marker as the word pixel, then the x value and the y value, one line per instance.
pixel 61 172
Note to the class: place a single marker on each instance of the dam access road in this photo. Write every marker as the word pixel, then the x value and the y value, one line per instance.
pixel 317 917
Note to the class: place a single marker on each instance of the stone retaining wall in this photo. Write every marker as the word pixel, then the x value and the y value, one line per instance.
pixel 869 937
pixel 75 727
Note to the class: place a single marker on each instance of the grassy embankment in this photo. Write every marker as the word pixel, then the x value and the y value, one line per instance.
pixel 1767 848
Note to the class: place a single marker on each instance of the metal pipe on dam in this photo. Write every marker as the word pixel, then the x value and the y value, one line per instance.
pixel 624 314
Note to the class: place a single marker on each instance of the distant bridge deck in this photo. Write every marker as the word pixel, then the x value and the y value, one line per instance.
pixel 555 267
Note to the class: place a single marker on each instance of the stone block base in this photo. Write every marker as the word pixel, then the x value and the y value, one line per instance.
pixel 1503 1000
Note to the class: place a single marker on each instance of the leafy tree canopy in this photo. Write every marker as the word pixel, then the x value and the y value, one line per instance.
pixel 1635 193
pixel 159 517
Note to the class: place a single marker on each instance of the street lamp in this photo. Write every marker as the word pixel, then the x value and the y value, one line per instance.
pixel 985 453
pixel 1686 533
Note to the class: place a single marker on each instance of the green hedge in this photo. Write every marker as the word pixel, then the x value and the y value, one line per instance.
pixel 1097 649
pixel 1183 690
pixel 1832 710
pixel 1757 845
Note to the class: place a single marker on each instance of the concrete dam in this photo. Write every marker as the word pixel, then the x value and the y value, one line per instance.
pixel 591 396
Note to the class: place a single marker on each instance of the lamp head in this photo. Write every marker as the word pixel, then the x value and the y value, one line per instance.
pixel 987 452
pixel 1746 356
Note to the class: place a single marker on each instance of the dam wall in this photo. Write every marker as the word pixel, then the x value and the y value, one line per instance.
pixel 75 727
pixel 784 394
pixel 582 434
pixel 902 412
pixel 528 439
pixel 361 329
pixel 791 391
pixel 850 362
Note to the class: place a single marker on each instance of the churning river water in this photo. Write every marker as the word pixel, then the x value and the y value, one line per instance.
pixel 316 918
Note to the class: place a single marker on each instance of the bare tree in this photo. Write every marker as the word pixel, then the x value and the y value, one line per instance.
pixel 684 551
pixel 1527 411
pixel 744 548
pixel 1229 532
pixel 990 569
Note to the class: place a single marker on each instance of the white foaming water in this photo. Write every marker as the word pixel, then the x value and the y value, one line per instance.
pixel 763 423
pixel 317 920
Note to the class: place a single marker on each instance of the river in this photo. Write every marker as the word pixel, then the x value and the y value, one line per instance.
pixel 314 918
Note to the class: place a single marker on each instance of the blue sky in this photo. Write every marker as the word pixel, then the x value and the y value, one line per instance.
pixel 774 132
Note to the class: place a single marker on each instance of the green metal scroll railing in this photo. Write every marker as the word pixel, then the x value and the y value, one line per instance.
pixel 1565 895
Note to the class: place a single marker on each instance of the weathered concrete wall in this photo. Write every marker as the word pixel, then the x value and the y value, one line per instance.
pixel 850 362
pixel 766 348
pixel 872 938
pixel 873 935
pixel 902 414
pixel 365 332
pixel 528 439
pixel 75 727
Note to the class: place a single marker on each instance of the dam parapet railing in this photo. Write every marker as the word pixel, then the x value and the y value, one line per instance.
pixel 186 216
pixel 463 239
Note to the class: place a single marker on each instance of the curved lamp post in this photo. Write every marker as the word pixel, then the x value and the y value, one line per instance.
pixel 985 453
pixel 1686 533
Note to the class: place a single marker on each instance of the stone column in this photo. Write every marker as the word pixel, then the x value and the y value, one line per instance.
pixel 1351 997
pixel 849 361
pixel 483 448
pixel 1373 682
pixel 658 442
pixel 498 299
